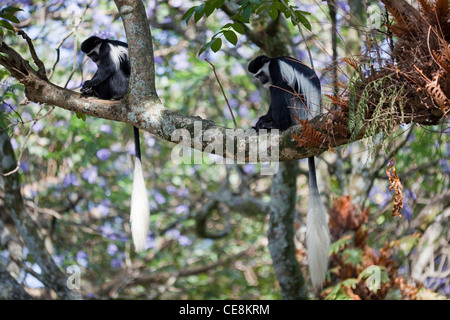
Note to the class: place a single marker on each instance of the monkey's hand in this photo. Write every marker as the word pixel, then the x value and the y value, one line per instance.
pixel 265 123
pixel 87 89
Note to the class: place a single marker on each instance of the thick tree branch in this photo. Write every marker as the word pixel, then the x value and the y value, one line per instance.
pixel 150 116
pixel 143 109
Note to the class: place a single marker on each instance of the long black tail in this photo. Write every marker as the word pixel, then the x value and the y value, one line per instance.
pixel 140 210
pixel 317 232
pixel 137 143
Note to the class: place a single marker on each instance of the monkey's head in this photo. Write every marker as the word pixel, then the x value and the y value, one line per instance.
pixel 91 46
pixel 260 69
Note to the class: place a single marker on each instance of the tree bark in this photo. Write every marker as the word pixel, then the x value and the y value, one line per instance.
pixel 54 277
pixel 10 289
pixel 281 232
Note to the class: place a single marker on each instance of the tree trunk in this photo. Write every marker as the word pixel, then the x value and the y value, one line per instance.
pixel 281 232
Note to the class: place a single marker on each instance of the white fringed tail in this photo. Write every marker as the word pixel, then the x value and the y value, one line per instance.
pixel 140 210
pixel 317 232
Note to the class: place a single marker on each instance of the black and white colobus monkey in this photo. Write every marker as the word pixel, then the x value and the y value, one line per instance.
pixel 111 82
pixel 295 93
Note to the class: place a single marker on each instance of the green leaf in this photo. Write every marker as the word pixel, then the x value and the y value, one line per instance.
pixel 352 256
pixel 340 244
pixel 209 9
pixel 247 13
pixel 273 12
pixel 10 9
pixel 261 8
pixel 219 3
pixel 199 11
pixel 350 282
pixel 230 36
pixel 204 47
pixel 303 20
pixel 5 24
pixel 187 16
pixel 9 17
pixel 238 27
pixel 216 44
pixel 81 116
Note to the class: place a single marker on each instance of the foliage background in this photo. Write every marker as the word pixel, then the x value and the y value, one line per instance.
pixel 76 175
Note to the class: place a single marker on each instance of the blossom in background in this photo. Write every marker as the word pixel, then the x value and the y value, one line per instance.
pixel 82 258
pixel 103 154
pixel 170 189
pixel 182 208
pixel 71 180
pixel 112 249
pixel 90 174
pixel 159 198
pixel 106 128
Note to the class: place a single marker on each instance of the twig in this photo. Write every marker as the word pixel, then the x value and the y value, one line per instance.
pixel 301 32
pixel 39 63
pixel 223 92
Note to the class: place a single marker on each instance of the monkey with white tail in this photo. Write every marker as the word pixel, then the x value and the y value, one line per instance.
pixel 295 94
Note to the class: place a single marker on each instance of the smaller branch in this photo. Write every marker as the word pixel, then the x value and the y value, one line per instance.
pixel 223 92
pixel 39 63
pixel 25 141
pixel 301 32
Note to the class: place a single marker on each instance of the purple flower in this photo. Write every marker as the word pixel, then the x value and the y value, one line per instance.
pixel 243 110
pixel 59 123
pixel 105 128
pixel 116 147
pixel 103 207
pixel 14 144
pixel 184 192
pixel 173 233
pixel 255 97
pixel 131 149
pixel 344 6
pixel 150 242
pixel 108 232
pixel 184 241
pixel 150 141
pixel 90 175
pixel 379 197
pixel 112 249
pixel 8 107
pixel 71 179
pixel 159 198
pixel 59 259
pixel 103 154
pixel 249 168
pixel 38 126
pixel 159 60
pixel 82 258
pixel 116 263
pixel 407 210
pixel 181 61
pixel 182 208
pixel 24 166
pixel 176 3
pixel 170 189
